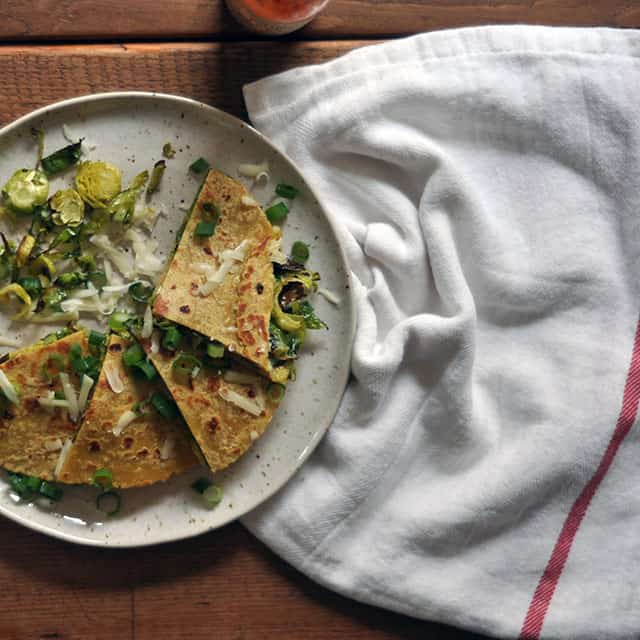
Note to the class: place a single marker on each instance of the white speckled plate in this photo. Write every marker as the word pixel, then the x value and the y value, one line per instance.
pixel 129 130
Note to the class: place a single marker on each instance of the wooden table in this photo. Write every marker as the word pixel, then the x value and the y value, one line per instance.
pixel 224 585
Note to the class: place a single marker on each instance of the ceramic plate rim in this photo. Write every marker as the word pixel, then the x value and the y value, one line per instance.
pixel 349 299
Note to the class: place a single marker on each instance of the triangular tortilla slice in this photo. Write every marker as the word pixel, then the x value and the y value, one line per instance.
pixel 210 405
pixel 150 449
pixel 32 436
pixel 234 307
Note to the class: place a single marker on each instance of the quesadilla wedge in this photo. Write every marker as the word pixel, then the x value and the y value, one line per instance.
pixel 44 388
pixel 220 280
pixel 131 428
pixel 225 404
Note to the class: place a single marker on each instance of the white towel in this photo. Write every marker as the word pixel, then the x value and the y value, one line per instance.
pixel 481 470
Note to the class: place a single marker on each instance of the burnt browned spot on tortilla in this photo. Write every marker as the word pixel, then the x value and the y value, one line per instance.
pixel 173 287
pixel 213 424
pixel 213 384
pixel 94 446
pixel 156 453
pixel 185 308
pixel 251 393
pixel 242 307
pixel 207 250
pixel 259 288
pixel 161 306
pixel 115 347
pixel 127 442
pixel 143 453
pixel 193 286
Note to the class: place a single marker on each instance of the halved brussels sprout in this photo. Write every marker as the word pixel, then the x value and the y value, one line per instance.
pixel 98 183
pixel 25 190
pixel 68 208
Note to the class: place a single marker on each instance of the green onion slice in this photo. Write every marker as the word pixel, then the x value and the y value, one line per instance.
pixel 204 229
pixel 148 370
pixel 199 166
pixel 166 408
pixel 212 495
pixel 103 479
pixel 32 285
pixel 98 279
pixel 97 339
pixel 140 291
pixel 286 191
pixel 300 252
pixel 118 321
pixel 133 355
pixel 277 213
pixel 186 366
pixel 108 502
pixel 215 350
pixel 50 490
pixel 276 392
pixel 156 176
pixel 171 339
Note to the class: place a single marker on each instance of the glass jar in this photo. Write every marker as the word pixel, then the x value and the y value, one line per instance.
pixel 275 17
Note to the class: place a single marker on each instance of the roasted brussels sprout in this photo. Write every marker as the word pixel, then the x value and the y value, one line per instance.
pixel 25 190
pixel 98 183
pixel 68 208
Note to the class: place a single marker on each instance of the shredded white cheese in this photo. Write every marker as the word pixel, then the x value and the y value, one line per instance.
pixel 124 421
pixel 329 295
pixel 249 170
pixel 85 389
pixel 52 318
pixel 89 292
pixel 8 389
pixel 146 260
pixel 166 451
pixel 53 445
pixel 120 259
pixel 5 341
pixel 250 405
pixel 113 378
pixel 254 435
pixel 121 288
pixel 147 325
pixel 108 270
pixel 70 395
pixel 228 259
pixel 51 403
pixel 274 251
pixel 155 342
pixel 240 377
pixel 248 201
pixel 66 447
pixel 75 305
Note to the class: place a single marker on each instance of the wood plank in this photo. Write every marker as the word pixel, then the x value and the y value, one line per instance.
pixel 135 19
pixel 223 585
pixel 211 72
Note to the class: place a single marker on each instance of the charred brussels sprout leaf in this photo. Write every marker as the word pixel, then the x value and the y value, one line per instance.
pixel 98 183
pixel 62 159
pixel 67 207
pixel 25 190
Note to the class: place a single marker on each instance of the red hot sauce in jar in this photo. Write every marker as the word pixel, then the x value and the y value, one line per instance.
pixel 275 17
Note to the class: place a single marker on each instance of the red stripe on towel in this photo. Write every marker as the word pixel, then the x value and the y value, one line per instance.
pixel 543 595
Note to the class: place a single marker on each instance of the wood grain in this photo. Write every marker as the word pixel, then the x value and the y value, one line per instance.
pixel 211 72
pixel 179 19
pixel 223 585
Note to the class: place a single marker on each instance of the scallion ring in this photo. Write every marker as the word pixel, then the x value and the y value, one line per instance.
pixel 140 291
pixel 186 366
pixel 108 502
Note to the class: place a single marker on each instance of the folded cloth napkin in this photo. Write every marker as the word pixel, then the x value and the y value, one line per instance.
pixel 484 467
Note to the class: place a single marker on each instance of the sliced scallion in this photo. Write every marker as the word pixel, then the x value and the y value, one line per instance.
pixel 165 407
pixel 147 369
pixel 199 166
pixel 97 339
pixel 212 495
pixel 50 490
pixel 140 291
pixel 133 355
pixel 277 213
pixel 300 252
pixel 47 371
pixel 103 479
pixel 215 349
pixel 186 366
pixel 204 229
pixel 171 339
pixel 156 176
pixel 62 159
pixel 201 485
pixel 32 285
pixel 286 191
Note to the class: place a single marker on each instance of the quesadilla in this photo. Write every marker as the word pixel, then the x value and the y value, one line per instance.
pixel 220 280
pixel 131 428
pixel 226 406
pixel 43 395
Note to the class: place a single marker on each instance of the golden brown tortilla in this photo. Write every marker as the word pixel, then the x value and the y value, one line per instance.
pixel 237 311
pixel 31 436
pixel 135 456
pixel 222 430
